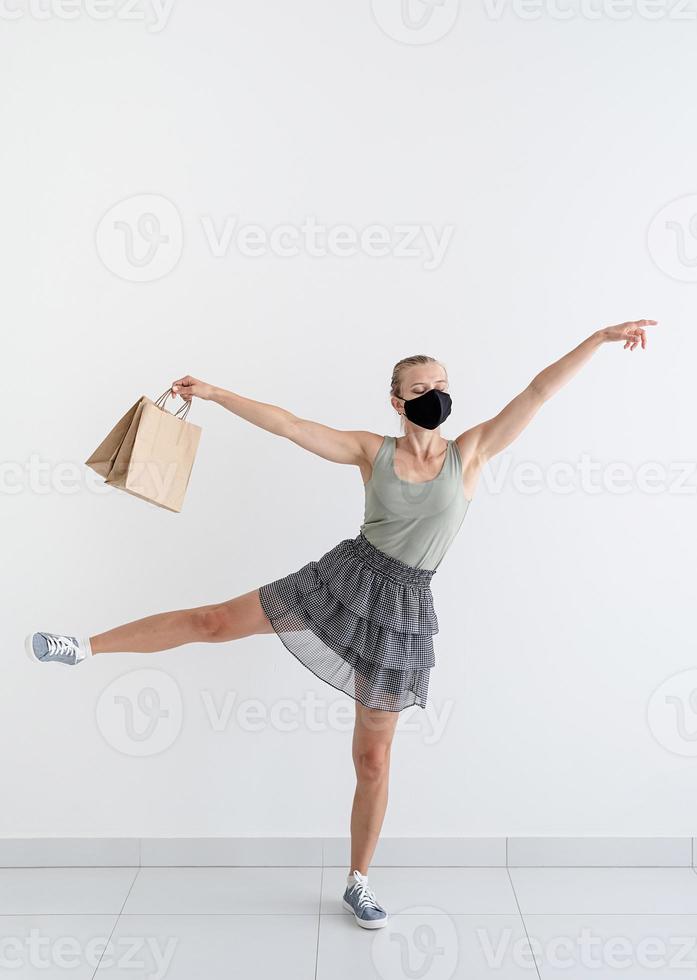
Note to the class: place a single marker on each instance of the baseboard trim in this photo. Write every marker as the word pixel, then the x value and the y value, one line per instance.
pixel 457 852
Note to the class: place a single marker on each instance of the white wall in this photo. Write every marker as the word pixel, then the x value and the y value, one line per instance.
pixel 548 145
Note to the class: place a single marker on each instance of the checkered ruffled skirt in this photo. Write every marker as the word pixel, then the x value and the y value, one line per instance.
pixel 360 620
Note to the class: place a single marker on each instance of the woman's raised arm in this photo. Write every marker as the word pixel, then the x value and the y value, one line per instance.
pixel 478 444
pixel 336 445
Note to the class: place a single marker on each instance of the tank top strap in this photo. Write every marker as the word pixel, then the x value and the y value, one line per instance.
pixel 383 457
pixel 455 457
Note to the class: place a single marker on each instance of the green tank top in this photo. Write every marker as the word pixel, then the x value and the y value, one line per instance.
pixel 414 522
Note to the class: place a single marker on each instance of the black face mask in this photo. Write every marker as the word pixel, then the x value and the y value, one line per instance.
pixel 430 409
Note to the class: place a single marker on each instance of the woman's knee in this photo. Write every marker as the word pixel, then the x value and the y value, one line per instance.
pixel 372 763
pixel 231 620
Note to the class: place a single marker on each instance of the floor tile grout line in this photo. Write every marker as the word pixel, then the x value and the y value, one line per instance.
pixel 319 911
pixel 116 922
pixel 525 925
pixel 311 915
pixel 282 867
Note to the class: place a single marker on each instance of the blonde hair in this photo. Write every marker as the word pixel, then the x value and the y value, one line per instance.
pixel 399 369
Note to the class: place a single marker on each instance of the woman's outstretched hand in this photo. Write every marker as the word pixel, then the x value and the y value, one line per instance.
pixel 188 388
pixel 632 333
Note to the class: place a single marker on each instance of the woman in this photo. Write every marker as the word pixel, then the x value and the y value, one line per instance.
pixel 362 617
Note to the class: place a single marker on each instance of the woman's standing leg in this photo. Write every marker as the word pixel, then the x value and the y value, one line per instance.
pixel 372 739
pixel 216 623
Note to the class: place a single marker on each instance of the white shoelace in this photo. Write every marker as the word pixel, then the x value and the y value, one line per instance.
pixel 366 895
pixel 58 645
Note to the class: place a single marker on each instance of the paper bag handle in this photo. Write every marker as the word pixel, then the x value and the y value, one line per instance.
pixel 182 408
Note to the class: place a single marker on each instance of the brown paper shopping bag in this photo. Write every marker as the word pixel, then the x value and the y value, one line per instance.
pixel 102 459
pixel 150 452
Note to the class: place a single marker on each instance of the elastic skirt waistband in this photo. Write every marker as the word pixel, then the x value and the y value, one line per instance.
pixel 391 567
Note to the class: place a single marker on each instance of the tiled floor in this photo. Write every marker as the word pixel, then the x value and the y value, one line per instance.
pixel 266 923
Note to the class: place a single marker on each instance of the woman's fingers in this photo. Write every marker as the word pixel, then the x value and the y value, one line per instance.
pixel 636 334
pixel 184 387
pixel 639 329
pixel 632 332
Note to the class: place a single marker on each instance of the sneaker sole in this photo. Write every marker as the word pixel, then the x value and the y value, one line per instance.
pixel 29 649
pixel 365 923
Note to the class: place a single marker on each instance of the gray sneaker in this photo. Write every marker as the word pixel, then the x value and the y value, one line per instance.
pixel 360 899
pixel 55 648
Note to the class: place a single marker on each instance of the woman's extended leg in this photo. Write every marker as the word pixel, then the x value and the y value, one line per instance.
pixel 372 739
pixel 216 623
